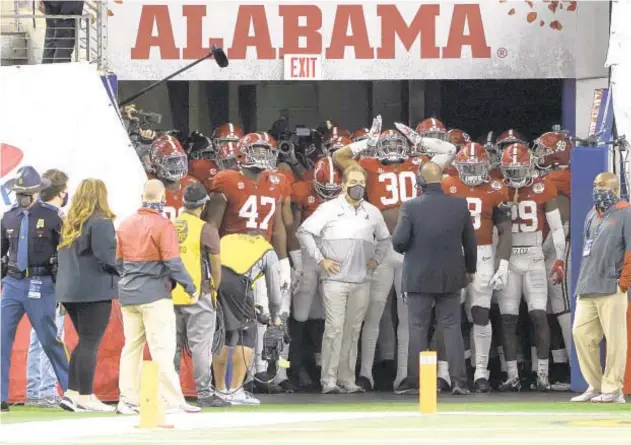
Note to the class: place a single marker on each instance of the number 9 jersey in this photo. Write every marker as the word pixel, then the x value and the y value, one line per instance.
pixel 250 206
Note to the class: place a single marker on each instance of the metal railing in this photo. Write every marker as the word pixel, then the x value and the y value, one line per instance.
pixel 80 37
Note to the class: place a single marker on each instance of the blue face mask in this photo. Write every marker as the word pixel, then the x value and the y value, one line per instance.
pixel 159 206
pixel 604 198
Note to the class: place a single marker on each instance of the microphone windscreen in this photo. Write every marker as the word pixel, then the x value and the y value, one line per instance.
pixel 220 57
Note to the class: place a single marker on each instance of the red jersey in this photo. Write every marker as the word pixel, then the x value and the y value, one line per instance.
pixel 451 171
pixel 308 176
pixel 496 174
pixel 286 178
pixel 529 211
pixel 482 200
pixel 562 179
pixel 202 169
pixel 305 198
pixel 389 185
pixel 250 206
pixel 174 196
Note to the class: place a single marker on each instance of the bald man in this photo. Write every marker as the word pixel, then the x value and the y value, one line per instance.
pixel 602 299
pixel 437 238
pixel 148 252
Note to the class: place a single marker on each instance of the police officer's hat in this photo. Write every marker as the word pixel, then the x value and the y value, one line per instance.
pixel 195 196
pixel 27 181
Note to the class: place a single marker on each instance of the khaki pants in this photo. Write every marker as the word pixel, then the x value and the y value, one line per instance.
pixel 152 323
pixel 345 306
pixel 597 317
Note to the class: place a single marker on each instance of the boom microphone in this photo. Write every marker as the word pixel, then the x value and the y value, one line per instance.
pixel 220 56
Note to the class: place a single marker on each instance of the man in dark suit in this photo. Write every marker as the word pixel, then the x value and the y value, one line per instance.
pixel 436 234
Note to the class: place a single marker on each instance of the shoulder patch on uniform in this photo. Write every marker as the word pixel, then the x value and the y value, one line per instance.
pixel 538 187
pixel 310 199
pixel 274 179
pixel 496 185
pixel 240 185
pixel 453 189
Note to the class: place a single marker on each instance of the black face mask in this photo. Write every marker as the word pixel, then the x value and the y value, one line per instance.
pixel 255 170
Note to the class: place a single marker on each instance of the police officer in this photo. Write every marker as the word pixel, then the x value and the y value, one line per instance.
pixel 30 234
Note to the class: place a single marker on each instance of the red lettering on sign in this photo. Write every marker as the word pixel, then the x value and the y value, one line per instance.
pixel 252 30
pixel 462 15
pixel 158 14
pixel 303 67
pixel 254 16
pixel 292 31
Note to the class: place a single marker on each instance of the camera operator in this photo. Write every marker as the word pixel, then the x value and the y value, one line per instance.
pixel 138 126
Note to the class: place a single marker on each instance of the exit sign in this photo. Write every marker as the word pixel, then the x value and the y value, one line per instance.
pixel 303 67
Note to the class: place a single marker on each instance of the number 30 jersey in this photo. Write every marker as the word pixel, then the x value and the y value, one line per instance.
pixel 389 185
pixel 250 206
pixel 529 210
pixel 482 200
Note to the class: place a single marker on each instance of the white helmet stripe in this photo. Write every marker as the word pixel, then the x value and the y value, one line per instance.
pixel 329 160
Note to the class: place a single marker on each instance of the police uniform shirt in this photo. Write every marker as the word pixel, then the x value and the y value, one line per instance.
pixel 44 233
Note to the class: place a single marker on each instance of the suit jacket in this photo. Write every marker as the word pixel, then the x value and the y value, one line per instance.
pixel 87 268
pixel 436 234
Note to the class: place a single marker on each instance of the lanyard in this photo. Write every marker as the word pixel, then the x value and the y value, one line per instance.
pixel 598 228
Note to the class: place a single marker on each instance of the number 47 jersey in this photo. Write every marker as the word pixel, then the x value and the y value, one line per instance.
pixel 251 206
pixel 482 199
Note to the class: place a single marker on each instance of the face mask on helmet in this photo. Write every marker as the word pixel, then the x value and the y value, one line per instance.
pixel 435 133
pixel 517 175
pixel 472 173
pixel 392 148
pixel 173 168
pixel 228 163
pixel 260 156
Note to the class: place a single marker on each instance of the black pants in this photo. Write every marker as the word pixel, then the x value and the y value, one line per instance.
pixel 448 320
pixel 61 36
pixel 90 321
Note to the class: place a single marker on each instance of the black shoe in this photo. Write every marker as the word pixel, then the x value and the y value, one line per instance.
pixel 364 383
pixel 4 407
pixel 442 385
pixel 460 391
pixel 407 386
pixel 482 386
pixel 263 385
pixel 213 401
pixel 288 387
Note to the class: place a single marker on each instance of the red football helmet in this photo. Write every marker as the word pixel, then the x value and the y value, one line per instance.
pixel 199 146
pixel 458 137
pixel 392 146
pixel 227 132
pixel 257 150
pixel 338 142
pixel 360 134
pixel 327 181
pixel 168 158
pixel 552 150
pixel 517 165
pixel 332 134
pixel 510 137
pixel 228 156
pixel 473 164
pixel 432 128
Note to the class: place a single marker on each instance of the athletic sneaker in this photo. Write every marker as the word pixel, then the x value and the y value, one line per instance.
pixel 331 389
pixel 70 405
pixel 127 409
pixel 586 396
pixel 610 397
pixel 212 401
pixel 350 389
pixel 242 397
pixel 543 384
pixel 511 385
pixel 91 403
pixel 482 386
pixel 407 386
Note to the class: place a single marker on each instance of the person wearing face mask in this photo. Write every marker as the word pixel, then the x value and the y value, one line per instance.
pixel 199 250
pixel 148 256
pixel 41 383
pixel 602 299
pixel 348 238
pixel 29 240
pixel 86 285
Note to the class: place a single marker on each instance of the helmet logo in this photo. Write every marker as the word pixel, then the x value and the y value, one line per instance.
pixel 453 189
pixel 538 188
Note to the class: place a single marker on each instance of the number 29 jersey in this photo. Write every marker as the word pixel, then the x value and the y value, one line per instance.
pixel 529 210
pixel 389 185
pixel 250 206
pixel 482 200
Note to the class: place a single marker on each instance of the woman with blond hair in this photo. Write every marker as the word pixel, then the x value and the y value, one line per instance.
pixel 87 282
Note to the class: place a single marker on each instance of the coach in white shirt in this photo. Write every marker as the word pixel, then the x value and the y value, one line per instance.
pixel 348 238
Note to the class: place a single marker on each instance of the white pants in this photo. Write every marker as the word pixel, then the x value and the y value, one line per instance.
pixel 479 293
pixel 387 274
pixel 345 306
pixel 558 294
pixel 307 298
pixel 527 276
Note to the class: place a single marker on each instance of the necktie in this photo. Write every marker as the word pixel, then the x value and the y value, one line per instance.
pixel 23 243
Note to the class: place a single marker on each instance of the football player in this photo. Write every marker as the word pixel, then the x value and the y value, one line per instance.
pixel 391 181
pixel 333 135
pixel 509 137
pixel 534 202
pixel 487 199
pixel 169 164
pixel 552 152
pixel 306 197
pixel 459 138
pixel 201 158
pixel 227 132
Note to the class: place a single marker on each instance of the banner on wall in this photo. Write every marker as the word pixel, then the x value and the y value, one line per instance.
pixel 492 39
